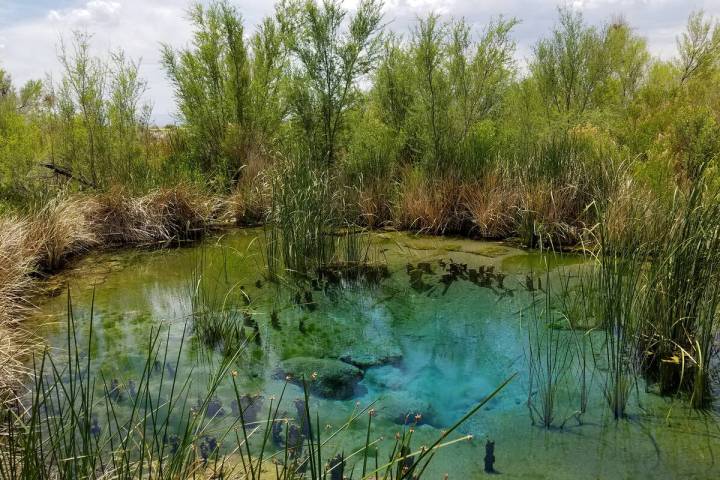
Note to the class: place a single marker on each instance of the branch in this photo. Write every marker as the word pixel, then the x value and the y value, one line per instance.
pixel 66 172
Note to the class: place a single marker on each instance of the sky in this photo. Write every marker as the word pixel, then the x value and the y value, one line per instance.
pixel 30 30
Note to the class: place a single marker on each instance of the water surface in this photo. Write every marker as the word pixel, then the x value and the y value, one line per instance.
pixel 444 327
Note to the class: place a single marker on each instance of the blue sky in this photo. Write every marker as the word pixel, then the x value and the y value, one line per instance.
pixel 30 29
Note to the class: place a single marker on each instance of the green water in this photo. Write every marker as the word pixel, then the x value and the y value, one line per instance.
pixel 427 342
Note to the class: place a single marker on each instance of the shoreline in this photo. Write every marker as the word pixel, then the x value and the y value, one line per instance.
pixel 36 247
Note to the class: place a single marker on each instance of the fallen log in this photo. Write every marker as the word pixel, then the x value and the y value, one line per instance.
pixel 66 172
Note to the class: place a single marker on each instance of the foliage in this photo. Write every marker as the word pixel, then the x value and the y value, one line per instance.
pixel 227 91
pixel 331 53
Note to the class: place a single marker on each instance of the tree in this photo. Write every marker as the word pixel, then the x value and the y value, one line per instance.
pixel 428 47
pixel 332 51
pixel 82 91
pixel 699 47
pixel 229 95
pixel 128 116
pixel 628 61
pixel 480 72
pixel 570 66
pixel 19 135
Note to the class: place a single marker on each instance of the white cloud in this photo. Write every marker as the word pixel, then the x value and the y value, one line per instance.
pixel 94 12
pixel 28 46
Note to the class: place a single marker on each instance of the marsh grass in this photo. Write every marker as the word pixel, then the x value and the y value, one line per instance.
pixel 548 355
pixel 576 306
pixel 683 295
pixel 77 423
pixel 218 320
pixel 311 224
pixel 610 293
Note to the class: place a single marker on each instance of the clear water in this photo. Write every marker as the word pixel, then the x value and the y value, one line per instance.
pixel 427 344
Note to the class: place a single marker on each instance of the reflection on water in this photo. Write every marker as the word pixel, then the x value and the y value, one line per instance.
pixel 432 335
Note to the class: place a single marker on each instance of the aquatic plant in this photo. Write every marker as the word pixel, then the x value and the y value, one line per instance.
pixel 682 295
pixel 613 294
pixel 618 286
pixel 548 356
pixel 219 311
pixel 576 303
pixel 309 225
pixel 77 423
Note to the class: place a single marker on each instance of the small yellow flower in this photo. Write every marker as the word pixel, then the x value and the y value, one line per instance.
pixel 234 373
pixel 314 375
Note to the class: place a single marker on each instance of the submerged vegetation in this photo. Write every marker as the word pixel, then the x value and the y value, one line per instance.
pixel 78 424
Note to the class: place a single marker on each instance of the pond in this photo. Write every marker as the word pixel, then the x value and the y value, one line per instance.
pixel 440 329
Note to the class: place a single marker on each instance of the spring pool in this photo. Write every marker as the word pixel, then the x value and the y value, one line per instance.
pixel 431 335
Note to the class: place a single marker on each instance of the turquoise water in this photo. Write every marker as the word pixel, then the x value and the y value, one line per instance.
pixel 435 335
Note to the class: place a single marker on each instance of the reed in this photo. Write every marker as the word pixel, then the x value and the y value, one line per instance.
pixel 429 205
pixel 311 224
pixel 576 304
pixel 682 297
pixel 218 320
pixel 615 292
pixel 71 425
pixel 548 356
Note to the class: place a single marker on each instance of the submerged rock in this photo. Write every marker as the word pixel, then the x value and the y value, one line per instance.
pixel 365 358
pixel 336 466
pixel 334 378
pixel 277 428
pixel 214 408
pixel 251 407
pixel 406 411
pixel 295 439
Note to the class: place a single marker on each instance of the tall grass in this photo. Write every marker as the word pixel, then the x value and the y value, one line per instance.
pixel 218 320
pixel 310 224
pixel 683 294
pixel 549 356
pixel 612 295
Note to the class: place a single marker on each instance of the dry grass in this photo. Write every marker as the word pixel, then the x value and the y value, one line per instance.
pixel 16 264
pixel 62 229
pixel 162 216
pixel 373 202
pixel 556 214
pixel 492 206
pixel 634 214
pixel 70 226
pixel 251 200
pixel 249 204
pixel 429 206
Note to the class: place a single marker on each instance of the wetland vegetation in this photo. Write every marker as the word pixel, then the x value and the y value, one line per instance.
pixel 360 254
